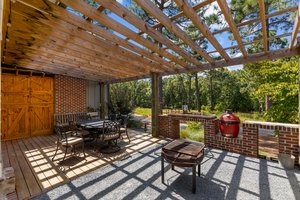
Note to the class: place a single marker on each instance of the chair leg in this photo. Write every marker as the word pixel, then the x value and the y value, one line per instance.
pixel 65 153
pixel 127 136
pixel 83 149
pixel 55 151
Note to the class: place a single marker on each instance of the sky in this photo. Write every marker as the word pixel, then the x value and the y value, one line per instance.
pixel 222 38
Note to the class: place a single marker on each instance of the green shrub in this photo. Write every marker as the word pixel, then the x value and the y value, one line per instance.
pixel 194 131
pixel 134 123
pixel 195 125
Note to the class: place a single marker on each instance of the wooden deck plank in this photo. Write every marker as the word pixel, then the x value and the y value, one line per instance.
pixel 21 186
pixel 29 177
pixel 5 157
pixel 42 164
pixel 70 172
pixel 32 164
pixel 34 156
pixel 53 175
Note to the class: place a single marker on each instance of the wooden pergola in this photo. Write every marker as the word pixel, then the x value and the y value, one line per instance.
pixel 71 37
pixel 74 38
pixel 46 36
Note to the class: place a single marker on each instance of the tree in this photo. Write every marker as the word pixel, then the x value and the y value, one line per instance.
pixel 279 80
pixel 198 93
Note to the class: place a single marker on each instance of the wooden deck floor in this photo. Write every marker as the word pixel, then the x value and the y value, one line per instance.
pixel 35 172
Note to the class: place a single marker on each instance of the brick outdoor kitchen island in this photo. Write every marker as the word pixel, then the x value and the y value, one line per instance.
pixel 247 142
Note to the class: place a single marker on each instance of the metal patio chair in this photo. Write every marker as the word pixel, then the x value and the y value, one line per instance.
pixel 66 140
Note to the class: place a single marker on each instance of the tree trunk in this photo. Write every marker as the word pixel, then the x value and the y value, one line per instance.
pixel 160 82
pixel 197 93
pixel 267 97
pixel 211 92
pixel 190 91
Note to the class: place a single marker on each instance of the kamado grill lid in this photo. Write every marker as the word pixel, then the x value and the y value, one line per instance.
pixel 229 117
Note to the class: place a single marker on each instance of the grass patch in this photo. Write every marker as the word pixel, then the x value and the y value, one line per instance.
pixel 255 116
pixel 193 131
pixel 146 112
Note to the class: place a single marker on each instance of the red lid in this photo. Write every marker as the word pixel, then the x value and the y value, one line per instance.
pixel 229 117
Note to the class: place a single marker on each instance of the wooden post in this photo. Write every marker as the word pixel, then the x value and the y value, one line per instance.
pixel 299 111
pixel 103 100
pixel 156 104
pixel 1 53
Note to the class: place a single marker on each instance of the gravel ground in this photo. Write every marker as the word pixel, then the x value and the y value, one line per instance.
pixel 224 175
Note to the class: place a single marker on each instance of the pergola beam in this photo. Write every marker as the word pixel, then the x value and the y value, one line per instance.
pixel 91 12
pixel 226 12
pixel 181 14
pixel 262 14
pixel 255 41
pixel 197 21
pixel 291 9
pixel 168 23
pixel 77 21
pixel 295 29
pixel 276 54
pixel 5 12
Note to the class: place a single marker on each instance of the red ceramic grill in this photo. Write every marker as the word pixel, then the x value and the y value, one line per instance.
pixel 229 124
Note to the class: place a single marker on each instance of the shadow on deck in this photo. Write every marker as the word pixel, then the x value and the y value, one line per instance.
pixel 36 173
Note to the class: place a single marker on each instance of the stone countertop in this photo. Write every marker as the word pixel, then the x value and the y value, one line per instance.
pixel 193 115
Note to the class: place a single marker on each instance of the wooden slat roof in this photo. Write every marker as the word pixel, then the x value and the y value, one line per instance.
pixel 73 38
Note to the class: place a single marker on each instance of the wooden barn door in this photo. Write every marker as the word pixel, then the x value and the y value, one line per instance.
pixel 27 106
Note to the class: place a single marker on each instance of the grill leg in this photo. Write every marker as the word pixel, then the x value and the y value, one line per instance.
pixel 194 179
pixel 162 170
pixel 199 170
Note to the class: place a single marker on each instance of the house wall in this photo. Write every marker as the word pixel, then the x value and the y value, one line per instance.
pixel 70 94
pixel 93 94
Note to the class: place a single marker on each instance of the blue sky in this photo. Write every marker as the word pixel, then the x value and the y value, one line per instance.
pixel 222 38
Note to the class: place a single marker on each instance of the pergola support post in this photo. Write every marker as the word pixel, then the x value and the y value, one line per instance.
pixel 156 102
pixel 104 97
pixel 299 111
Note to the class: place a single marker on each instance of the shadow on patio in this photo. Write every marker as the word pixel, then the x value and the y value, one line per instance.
pixel 224 175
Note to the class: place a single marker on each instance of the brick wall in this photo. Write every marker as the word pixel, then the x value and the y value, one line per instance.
pixel 245 144
pixel 168 125
pixel 70 94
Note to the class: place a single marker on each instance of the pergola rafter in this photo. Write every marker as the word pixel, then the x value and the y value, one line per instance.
pixel 192 15
pixel 263 24
pixel 181 14
pixel 295 29
pixel 251 21
pixel 79 40
pixel 49 34
pixel 226 12
pixel 93 13
pixel 167 22
pixel 255 41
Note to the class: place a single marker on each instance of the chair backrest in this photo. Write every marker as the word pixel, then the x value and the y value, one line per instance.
pixel 112 117
pixel 61 131
pixel 72 126
pixel 84 118
pixel 124 120
pixel 110 130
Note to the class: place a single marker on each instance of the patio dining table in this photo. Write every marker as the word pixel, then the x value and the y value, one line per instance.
pixel 92 124
pixel 96 128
